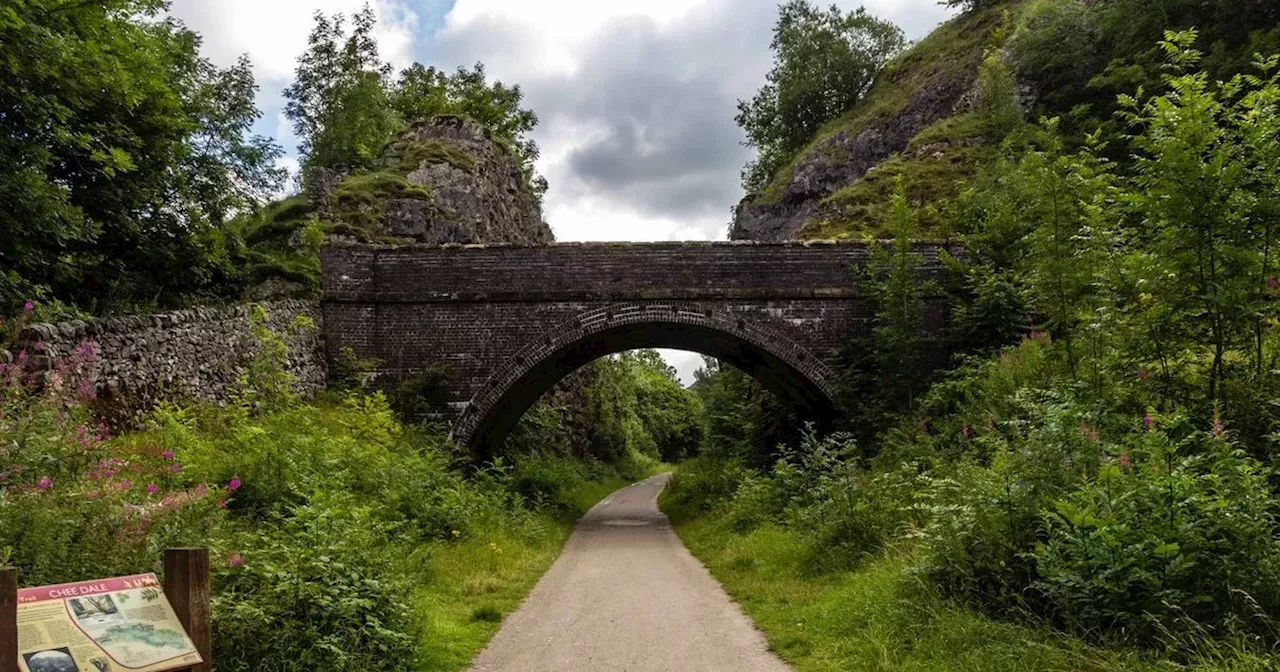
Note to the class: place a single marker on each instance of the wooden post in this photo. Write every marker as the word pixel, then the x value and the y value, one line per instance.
pixel 8 619
pixel 186 583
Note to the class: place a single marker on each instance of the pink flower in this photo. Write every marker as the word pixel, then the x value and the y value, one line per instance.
pixel 236 560
pixel 44 483
pixel 1273 283
pixel 28 306
pixel 1143 375
pixel 234 484
pixel 152 488
pixel 1124 460
pixel 168 454
pixel 175 467
pixel 201 490
pixel 1147 421
pixel 965 432
pixel 126 484
pixel 222 503
pixel 1218 428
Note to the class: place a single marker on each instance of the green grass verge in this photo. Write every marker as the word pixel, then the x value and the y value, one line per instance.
pixel 476 582
pixel 879 616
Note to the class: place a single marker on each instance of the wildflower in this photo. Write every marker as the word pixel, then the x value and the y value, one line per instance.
pixel 44 483
pixel 1143 374
pixel 1273 283
pixel 126 484
pixel 152 488
pixel 28 306
pixel 1218 428
pixel 1124 460
pixel 1147 422
pixel 175 467
pixel 966 432
pixel 234 484
pixel 201 490
pixel 168 455
pixel 222 503
pixel 236 560
pixel 40 346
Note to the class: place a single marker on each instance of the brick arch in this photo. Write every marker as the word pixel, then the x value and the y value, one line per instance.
pixel 781 364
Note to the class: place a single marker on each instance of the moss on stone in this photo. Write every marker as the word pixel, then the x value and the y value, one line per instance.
pixel 931 180
pixel 407 155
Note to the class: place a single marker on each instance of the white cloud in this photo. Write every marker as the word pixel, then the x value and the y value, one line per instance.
pixel 685 364
pixel 274 32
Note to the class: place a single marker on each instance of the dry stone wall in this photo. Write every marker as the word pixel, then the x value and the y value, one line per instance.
pixel 195 352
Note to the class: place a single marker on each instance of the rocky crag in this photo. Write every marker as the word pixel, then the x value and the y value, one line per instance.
pixel 443 180
pixel 919 121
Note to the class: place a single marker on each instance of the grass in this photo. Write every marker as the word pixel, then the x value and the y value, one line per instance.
pixel 473 584
pixel 876 617
pixel 930 179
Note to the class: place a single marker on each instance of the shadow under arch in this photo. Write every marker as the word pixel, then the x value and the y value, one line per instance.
pixel 780 364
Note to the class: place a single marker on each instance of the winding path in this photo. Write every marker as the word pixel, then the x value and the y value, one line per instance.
pixel 626 595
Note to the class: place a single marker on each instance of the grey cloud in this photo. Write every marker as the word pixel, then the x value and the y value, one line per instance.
pixel 657 103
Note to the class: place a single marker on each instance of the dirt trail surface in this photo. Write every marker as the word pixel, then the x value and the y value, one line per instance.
pixel 626 595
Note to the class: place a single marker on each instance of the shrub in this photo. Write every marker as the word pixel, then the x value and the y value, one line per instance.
pixel 1161 533
pixel 313 592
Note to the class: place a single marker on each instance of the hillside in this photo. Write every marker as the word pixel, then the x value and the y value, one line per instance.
pixel 934 115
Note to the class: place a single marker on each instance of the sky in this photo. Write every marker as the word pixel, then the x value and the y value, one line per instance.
pixel 635 98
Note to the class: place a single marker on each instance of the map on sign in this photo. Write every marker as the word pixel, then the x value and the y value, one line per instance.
pixel 109 625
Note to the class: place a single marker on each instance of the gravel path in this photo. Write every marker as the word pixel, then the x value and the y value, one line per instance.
pixel 626 595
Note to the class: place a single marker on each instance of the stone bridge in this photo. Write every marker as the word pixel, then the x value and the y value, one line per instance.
pixel 509 321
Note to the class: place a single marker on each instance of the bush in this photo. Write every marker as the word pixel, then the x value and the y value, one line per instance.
pixel 1163 532
pixel 313 592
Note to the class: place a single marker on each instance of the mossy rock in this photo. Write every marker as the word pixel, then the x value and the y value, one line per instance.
pixel 931 180
pixel 407 155
pixel 951 53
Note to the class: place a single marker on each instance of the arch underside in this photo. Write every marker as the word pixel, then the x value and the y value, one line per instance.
pixel 780 364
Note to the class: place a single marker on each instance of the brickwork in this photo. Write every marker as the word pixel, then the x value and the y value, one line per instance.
pixel 508 321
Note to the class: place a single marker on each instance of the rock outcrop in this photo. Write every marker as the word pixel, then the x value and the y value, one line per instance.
pixel 444 180
pixel 933 82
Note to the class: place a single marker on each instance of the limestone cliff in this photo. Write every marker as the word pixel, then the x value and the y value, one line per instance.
pixel 443 180
pixel 917 121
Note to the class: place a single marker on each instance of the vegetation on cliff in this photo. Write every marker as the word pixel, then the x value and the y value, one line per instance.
pixel 936 114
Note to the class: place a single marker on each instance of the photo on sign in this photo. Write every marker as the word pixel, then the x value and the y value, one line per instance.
pixel 51 660
pixel 95 610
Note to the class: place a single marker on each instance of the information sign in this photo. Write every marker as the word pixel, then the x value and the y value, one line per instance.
pixel 108 625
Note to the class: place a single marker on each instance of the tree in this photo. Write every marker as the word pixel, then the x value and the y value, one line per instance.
pixel 423 92
pixel 122 153
pixel 824 62
pixel 339 103
pixel 346 105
